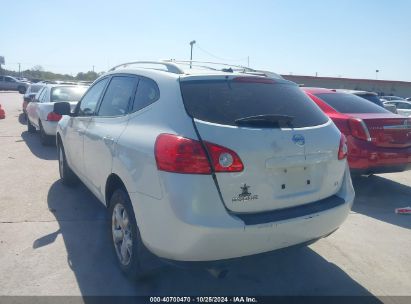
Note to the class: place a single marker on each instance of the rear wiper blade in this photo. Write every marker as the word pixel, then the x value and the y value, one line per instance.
pixel 267 120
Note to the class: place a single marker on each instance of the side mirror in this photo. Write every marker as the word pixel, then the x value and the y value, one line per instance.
pixel 62 108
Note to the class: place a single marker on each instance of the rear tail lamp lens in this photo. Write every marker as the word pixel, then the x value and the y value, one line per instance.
pixel 53 116
pixel 359 129
pixel 343 149
pixel 184 155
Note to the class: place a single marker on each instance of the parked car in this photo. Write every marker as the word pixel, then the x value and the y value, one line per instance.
pixel 9 83
pixel 30 94
pixel 389 98
pixel 378 141
pixel 408 98
pixel 370 96
pixel 403 106
pixel 40 115
pixel 203 166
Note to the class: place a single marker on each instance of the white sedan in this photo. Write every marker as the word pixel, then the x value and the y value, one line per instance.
pixel 40 115
pixel 403 106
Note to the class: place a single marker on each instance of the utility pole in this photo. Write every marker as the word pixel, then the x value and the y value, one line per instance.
pixel 19 70
pixel 191 54
pixel 248 61
pixel 93 68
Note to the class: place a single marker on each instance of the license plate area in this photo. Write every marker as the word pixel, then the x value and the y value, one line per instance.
pixel 294 181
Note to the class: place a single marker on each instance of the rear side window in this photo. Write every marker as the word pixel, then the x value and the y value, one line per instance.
pixel 147 93
pixel 118 96
pixel 224 101
pixel 348 103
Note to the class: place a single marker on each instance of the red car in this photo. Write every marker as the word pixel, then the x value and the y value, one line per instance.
pixel 378 140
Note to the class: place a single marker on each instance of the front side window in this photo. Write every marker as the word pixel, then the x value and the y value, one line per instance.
pixel 89 101
pixel 119 94
pixel 147 93
pixel 9 79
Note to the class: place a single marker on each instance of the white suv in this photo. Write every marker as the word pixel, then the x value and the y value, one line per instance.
pixel 205 164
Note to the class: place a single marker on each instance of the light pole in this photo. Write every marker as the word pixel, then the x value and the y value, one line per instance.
pixel 376 74
pixel 191 54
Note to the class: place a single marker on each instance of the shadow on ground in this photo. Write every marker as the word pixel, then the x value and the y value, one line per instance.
pixel 32 141
pixel 22 119
pixel 377 197
pixel 84 224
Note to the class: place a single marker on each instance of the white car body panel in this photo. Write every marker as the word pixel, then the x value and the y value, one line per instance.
pixel 182 216
pixel 38 111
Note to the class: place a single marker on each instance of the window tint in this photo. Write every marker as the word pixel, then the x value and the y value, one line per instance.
pixel 224 101
pixel 90 99
pixel 74 93
pixel 348 103
pixel 118 96
pixel 373 99
pixel 147 93
pixel 9 79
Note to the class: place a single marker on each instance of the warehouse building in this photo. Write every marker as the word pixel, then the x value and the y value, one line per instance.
pixel 382 87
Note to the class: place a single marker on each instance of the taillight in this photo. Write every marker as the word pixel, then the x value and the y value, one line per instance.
pixel 53 116
pixel 224 159
pixel 343 149
pixel 184 155
pixel 359 129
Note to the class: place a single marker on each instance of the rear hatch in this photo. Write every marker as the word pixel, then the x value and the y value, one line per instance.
pixel 287 145
pixel 387 130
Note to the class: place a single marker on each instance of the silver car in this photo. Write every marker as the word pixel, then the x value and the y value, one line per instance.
pixel 9 83
pixel 199 164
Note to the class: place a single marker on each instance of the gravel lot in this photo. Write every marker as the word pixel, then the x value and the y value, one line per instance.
pixel 54 241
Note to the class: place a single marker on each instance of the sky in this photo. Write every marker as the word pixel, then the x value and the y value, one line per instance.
pixel 345 38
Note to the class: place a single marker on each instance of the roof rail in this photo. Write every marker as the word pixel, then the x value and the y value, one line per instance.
pixel 170 66
pixel 237 68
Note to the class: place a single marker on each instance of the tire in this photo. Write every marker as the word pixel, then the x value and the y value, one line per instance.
pixel 46 140
pixel 131 262
pixel 30 127
pixel 67 176
pixel 22 89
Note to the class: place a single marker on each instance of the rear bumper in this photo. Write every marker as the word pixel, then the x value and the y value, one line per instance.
pixel 366 158
pixel 50 127
pixel 173 237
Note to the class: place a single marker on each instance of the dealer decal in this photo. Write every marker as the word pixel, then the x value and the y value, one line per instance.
pixel 245 195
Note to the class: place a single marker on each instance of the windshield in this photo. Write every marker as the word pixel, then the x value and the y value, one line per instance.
pixel 348 103
pixel 225 101
pixel 67 93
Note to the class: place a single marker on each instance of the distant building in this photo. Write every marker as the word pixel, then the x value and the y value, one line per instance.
pixel 382 87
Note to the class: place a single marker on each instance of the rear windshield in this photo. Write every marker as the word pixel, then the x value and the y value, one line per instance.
pixel 224 101
pixel 348 103
pixel 372 98
pixel 73 93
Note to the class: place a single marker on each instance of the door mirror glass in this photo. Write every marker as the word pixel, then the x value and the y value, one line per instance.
pixel 62 108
